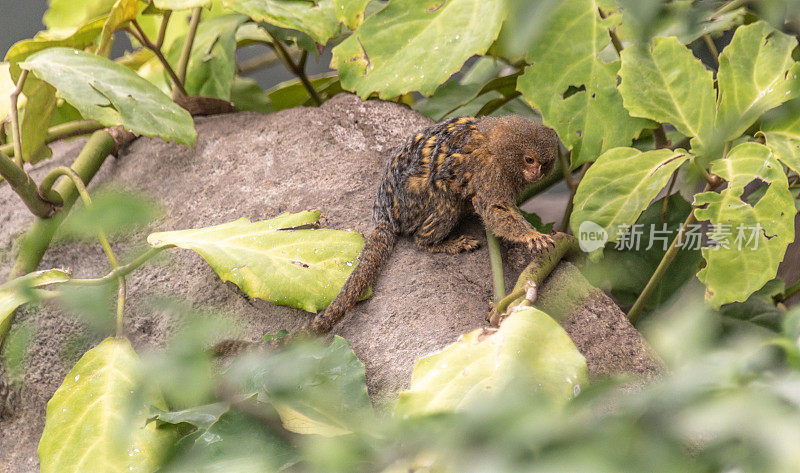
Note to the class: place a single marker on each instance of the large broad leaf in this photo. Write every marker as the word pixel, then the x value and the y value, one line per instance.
pixel 752 238
pixel 23 290
pixel 529 346
pixel 315 388
pixel 415 45
pixel 350 12
pixel 78 39
pixel 666 83
pixel 756 73
pixel 112 94
pixel 573 88
pixel 121 13
pixel 273 259
pixel 92 423
pixel 65 16
pixel 317 19
pixel 620 185
pixel 686 20
pixel 213 59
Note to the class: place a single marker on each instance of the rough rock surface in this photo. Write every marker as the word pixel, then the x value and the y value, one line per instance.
pixel 257 166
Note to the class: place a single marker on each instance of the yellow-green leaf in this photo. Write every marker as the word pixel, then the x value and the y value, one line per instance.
pixel 317 19
pixel 121 13
pixel 575 90
pixel 94 422
pixel 279 260
pixel 350 12
pixel 416 45
pixel 179 4
pixel 620 185
pixel 529 346
pixel 65 16
pixel 752 238
pixel 24 289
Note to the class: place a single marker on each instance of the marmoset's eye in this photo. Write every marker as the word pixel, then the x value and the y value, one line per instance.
pixel 529 160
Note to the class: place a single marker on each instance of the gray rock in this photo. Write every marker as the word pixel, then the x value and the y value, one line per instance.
pixel 257 166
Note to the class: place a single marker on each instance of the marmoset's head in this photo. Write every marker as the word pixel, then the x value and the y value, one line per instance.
pixel 522 145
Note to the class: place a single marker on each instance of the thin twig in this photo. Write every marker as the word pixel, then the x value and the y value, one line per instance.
pixel 162 31
pixel 788 293
pixel 183 62
pixel 564 227
pixel 120 271
pixel 284 56
pixel 138 33
pixel 15 117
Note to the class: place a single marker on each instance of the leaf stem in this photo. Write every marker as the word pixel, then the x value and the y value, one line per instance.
pixel 666 197
pixel 118 272
pixel 564 227
pixel 496 262
pixel 64 130
pixel 712 48
pixel 183 62
pixel 655 279
pixel 162 31
pixel 15 117
pixel 296 69
pixel 789 292
pixel 25 187
pixel 177 83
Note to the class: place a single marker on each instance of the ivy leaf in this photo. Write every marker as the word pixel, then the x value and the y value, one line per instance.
pixel 121 13
pixel 350 12
pixel 24 289
pixel 528 346
pixel 92 422
pixel 666 83
pixel 620 185
pixel 415 45
pixel 212 63
pixel 275 259
pixel 757 235
pixel 573 88
pixel 317 19
pixel 756 74
pixel 112 94
pixel 315 388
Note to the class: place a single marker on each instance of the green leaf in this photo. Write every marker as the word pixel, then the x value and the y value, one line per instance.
pixel 64 16
pixel 573 88
pixel 7 86
pixel 315 388
pixel 733 273
pixel 756 73
pixel 212 63
pixel 277 259
pixel 121 13
pixel 415 45
pixel 782 136
pixel 179 4
pixel 34 118
pixel 293 93
pixel 350 12
pixel 666 83
pixel 23 289
pixel 528 346
pixel 247 95
pixel 620 185
pixel 112 94
pixel 684 19
pixel 78 39
pixel 117 213
pixel 92 422
pixel 317 19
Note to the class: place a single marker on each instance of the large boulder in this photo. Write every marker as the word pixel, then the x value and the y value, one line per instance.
pixel 249 165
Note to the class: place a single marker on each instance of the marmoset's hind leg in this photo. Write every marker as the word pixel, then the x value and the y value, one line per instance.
pixel 455 245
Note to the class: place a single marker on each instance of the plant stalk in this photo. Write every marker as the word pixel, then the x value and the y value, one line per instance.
pixel 284 56
pixel 15 118
pixel 36 241
pixel 64 130
pixel 183 62
pixel 162 30
pixel 25 187
pixel 712 48
pixel 496 261
pixel 118 272
pixel 177 83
